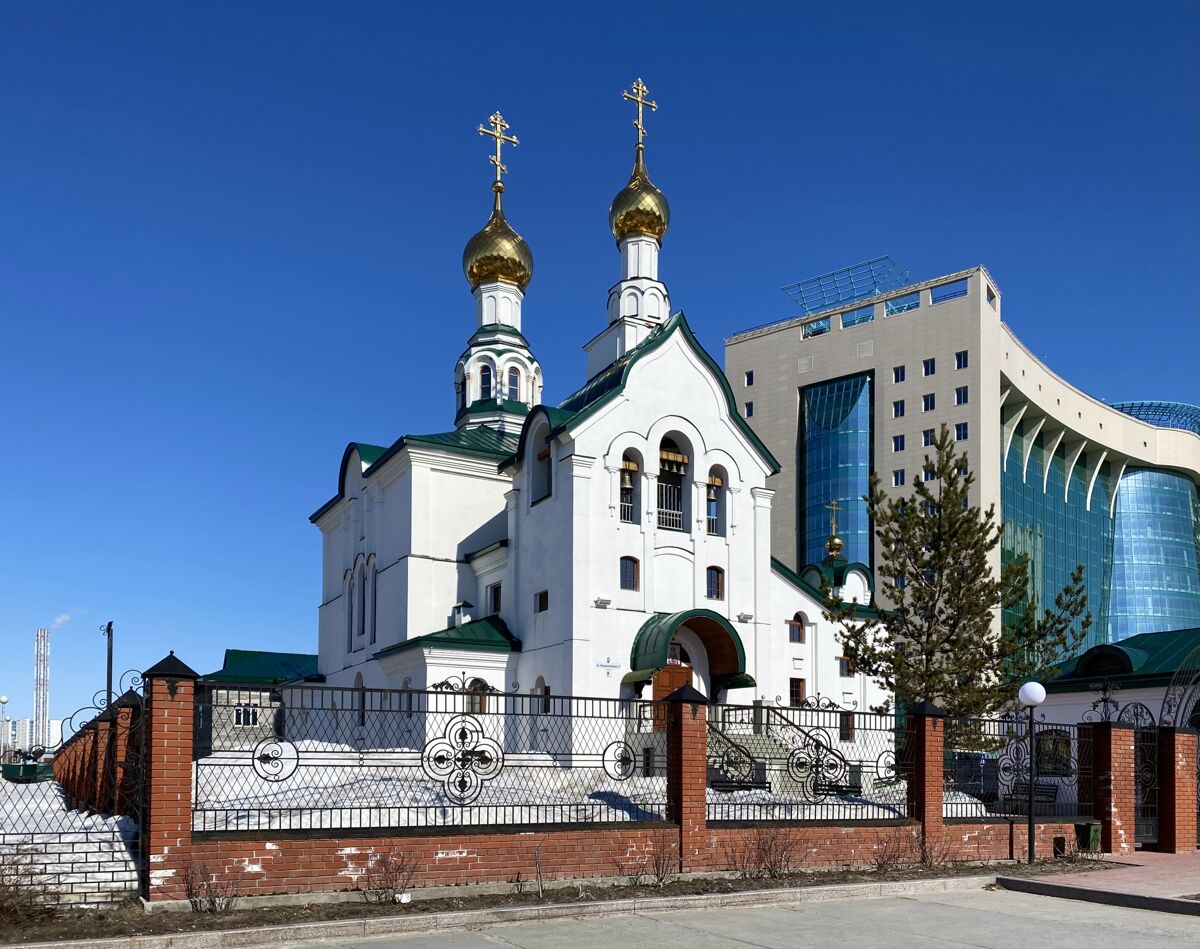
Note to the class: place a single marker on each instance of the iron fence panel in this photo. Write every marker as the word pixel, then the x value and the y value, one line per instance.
pixel 815 761
pixel 319 757
pixel 989 770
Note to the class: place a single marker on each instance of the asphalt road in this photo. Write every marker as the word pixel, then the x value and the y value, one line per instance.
pixel 993 918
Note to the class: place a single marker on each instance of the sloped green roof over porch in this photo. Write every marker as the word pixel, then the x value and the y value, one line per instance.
pixel 652 640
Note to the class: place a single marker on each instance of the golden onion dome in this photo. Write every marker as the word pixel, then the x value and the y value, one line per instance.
pixel 497 252
pixel 639 207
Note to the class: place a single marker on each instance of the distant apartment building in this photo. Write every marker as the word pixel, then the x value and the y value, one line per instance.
pixel 865 382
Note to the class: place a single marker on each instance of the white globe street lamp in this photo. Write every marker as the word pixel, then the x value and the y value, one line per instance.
pixel 1031 695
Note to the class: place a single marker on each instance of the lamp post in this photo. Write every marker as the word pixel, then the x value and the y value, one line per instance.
pixel 4 735
pixel 1032 695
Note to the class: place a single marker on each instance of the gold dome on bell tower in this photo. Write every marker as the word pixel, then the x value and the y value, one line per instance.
pixel 639 207
pixel 497 253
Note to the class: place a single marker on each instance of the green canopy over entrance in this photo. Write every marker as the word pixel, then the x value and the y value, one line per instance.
pixel 726 654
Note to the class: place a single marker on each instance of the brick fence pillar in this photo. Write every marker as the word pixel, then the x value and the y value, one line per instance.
pixel 924 767
pixel 1176 790
pixel 1112 785
pixel 170 688
pixel 687 774
pixel 101 780
pixel 127 752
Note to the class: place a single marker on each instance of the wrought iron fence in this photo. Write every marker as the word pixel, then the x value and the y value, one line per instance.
pixel 70 813
pixel 991 768
pixel 319 757
pixel 815 761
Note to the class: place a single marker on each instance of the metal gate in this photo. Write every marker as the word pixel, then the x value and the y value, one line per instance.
pixel 1145 785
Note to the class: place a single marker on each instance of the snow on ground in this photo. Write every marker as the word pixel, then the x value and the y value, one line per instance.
pixel 334 786
pixel 72 856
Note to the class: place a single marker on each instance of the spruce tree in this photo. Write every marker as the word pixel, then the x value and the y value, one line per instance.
pixel 934 638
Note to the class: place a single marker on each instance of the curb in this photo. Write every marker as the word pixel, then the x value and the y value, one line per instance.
pixel 470 919
pixel 1158 904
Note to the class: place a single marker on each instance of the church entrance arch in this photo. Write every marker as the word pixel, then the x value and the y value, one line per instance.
pixel 693 647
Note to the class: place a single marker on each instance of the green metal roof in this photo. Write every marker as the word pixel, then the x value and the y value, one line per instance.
pixel 650 644
pixel 490 634
pixel 834 574
pixel 489 406
pixel 489 328
pixel 1145 659
pixel 480 442
pixel 265 668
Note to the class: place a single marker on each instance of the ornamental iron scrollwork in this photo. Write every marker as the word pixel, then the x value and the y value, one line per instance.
pixel 1181 702
pixel 275 759
pixel 817 769
pixel 728 757
pixel 817 703
pixel 619 761
pixel 462 759
pixel 465 683
pixel 1137 715
pixel 1105 706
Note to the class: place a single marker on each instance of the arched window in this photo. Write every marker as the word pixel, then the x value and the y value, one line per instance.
pixel 477 691
pixel 348 593
pixel 673 496
pixel 630 579
pixel 796 628
pixel 715 583
pixel 631 488
pixel 361 605
pixel 374 611
pixel 461 387
pixel 715 498
pixel 514 385
pixel 485 382
pixel 540 483
pixel 360 699
pixel 1053 753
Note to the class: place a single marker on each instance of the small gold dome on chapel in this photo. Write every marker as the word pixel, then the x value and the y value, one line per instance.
pixel 639 207
pixel 497 252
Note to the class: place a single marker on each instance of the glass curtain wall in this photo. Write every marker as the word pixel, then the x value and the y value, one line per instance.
pixel 1056 535
pixel 835 458
pixel 1156 554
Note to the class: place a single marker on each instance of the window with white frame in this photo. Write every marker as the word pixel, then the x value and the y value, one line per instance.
pixel 246 716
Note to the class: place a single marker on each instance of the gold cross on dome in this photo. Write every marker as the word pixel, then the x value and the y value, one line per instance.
pixel 833 507
pixel 639 96
pixel 498 125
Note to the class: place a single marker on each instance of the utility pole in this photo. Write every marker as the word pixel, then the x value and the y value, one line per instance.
pixel 107 632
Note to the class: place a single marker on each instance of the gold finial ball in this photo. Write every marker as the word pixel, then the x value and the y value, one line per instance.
pixel 834 546
pixel 639 207
pixel 497 253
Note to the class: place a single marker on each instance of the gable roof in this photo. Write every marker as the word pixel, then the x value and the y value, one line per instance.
pixel 490 634
pixel 264 668
pixel 1144 660
pixel 481 442
pixel 610 382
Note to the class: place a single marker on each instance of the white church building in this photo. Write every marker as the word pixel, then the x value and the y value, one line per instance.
pixel 614 545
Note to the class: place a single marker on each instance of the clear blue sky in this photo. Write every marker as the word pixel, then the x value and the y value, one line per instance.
pixel 230 240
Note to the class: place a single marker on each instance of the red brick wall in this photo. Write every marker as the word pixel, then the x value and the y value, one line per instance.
pixel 167 814
pixel 1112 780
pixel 687 780
pixel 1176 790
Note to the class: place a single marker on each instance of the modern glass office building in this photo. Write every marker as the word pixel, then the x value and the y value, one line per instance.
pixel 875 365
pixel 836 459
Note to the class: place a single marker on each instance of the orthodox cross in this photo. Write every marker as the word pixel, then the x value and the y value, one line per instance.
pixel 639 96
pixel 498 125
pixel 833 507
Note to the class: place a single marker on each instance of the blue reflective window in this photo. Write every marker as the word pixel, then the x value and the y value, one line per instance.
pixel 960 359
pixel 928 402
pixel 897 374
pixel 960 395
pixel 948 291
pixel 816 328
pixel 928 366
pixel 927 437
pixel 835 438
pixel 897 443
pixel 898 478
pixel 749 410
pixel 863 314
pixel 898 409
pixel 910 301
pixel 960 431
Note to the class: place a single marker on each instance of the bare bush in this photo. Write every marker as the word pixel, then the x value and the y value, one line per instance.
pixel 206 891
pixel 769 852
pixel 387 876
pixel 23 891
pixel 893 851
pixel 931 854
pixel 664 858
pixel 631 867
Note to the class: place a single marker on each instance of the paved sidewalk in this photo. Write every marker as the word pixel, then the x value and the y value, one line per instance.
pixel 994 919
pixel 1143 874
